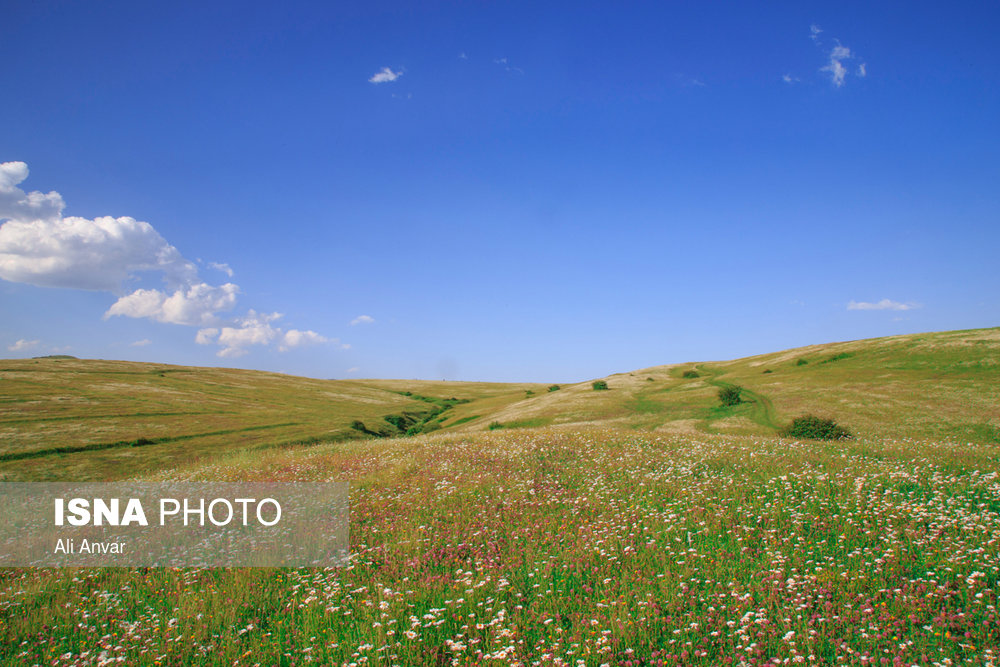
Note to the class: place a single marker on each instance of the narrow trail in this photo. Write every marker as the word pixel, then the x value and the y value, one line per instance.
pixel 762 410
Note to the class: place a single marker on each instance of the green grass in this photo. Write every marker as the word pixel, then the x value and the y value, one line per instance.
pixel 594 545
pixel 591 525
pixel 70 419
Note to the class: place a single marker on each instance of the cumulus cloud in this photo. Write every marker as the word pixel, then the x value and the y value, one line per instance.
pixel 295 338
pixel 385 75
pixel 884 304
pixel 40 246
pixel 16 204
pixel 195 305
pixel 22 345
pixel 257 329
pixel 362 319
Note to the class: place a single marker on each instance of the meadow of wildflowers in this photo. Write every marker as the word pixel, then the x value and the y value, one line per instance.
pixel 573 547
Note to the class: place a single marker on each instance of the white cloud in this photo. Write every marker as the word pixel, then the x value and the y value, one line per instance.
pixel 206 336
pixel 219 266
pixel 788 78
pixel 141 343
pixel 385 75
pixel 15 204
pixel 294 338
pixel 362 319
pixel 39 246
pixel 195 305
pixel 257 329
pixel 353 369
pixel 23 345
pixel 814 31
pixel 863 70
pixel 836 66
pixel 884 304
pixel 507 66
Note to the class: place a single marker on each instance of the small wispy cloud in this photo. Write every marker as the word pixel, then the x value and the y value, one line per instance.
pixel 141 343
pixel 362 319
pixel 884 304
pixel 353 369
pixel 836 66
pixel 220 266
pixel 22 345
pixel 503 62
pixel 462 56
pixel 385 75
pixel 688 81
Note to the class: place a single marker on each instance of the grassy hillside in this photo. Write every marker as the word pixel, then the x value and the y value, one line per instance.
pixel 936 385
pixel 644 525
pixel 63 418
pixel 71 419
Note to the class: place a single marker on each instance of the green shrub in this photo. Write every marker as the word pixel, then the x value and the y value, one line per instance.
pixel 690 374
pixel 599 385
pixel 400 422
pixel 768 370
pixel 528 393
pixel 650 380
pixel 730 395
pixel 801 362
pixel 494 426
pixel 554 387
pixel 816 428
pixel 837 357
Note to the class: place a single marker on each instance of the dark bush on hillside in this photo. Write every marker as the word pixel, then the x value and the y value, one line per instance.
pixel 815 428
pixel 528 393
pixel 494 426
pixel 730 395
pixel 801 362
pixel 554 387
pixel 690 374
pixel 599 385
pixel 768 370
pixel 399 421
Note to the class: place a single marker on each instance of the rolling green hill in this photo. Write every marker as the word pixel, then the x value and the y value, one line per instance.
pixel 935 385
pixel 71 419
pixel 65 418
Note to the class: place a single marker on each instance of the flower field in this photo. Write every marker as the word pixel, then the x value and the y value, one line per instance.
pixel 573 547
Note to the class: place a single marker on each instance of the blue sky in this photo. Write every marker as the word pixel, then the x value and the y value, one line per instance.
pixel 492 191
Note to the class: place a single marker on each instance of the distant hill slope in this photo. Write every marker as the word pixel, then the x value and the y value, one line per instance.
pixel 89 419
pixel 934 385
pixel 73 419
